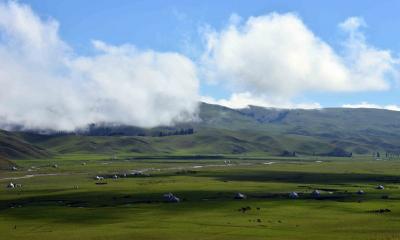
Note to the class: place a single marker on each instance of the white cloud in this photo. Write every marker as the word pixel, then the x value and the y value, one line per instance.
pixel 371 105
pixel 245 99
pixel 375 68
pixel 45 85
pixel 277 57
pixel 352 24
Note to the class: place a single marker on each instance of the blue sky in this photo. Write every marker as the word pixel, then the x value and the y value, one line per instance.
pixel 162 25
pixel 349 56
pixel 172 25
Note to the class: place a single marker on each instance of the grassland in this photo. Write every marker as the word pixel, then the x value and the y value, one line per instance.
pixel 65 202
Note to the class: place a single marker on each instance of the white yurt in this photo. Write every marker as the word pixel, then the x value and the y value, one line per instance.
pixel 240 196
pixel 316 193
pixel 293 195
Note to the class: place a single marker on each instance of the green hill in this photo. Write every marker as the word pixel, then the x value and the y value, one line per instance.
pixel 13 146
pixel 221 130
pixel 5 164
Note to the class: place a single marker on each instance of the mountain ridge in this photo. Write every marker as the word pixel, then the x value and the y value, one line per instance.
pixel 253 130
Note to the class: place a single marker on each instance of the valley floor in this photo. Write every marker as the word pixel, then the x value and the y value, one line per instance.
pixel 59 199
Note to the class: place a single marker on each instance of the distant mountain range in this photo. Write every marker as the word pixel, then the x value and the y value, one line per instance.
pixel 220 130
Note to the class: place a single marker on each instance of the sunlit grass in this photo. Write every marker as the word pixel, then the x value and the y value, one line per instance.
pixel 69 205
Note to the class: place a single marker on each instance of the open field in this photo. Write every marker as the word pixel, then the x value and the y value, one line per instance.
pixel 65 202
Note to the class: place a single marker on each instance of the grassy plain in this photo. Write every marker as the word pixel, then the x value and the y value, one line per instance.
pixel 65 202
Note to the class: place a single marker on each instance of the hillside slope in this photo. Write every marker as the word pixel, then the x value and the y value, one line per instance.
pixel 221 130
pixel 359 130
pixel 5 164
pixel 13 146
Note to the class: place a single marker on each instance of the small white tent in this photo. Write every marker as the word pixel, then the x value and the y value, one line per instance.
pixel 293 195
pixel 316 193
pixel 99 178
pixel 169 197
pixel 240 196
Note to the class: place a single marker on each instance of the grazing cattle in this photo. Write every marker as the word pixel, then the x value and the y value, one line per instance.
pixel 360 192
pixel 14 168
pixel 244 209
pixel 240 196
pixel 383 210
pixel 140 174
pixel 380 187
pixel 11 185
pixel 101 183
pixel 115 177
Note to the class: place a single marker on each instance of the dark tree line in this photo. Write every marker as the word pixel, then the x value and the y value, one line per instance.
pixel 387 155
pixel 182 131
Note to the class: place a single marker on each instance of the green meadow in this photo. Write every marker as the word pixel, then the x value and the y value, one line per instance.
pixel 59 198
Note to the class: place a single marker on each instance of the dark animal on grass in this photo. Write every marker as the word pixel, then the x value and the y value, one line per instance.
pixel 244 209
pixel 383 210
pixel 101 183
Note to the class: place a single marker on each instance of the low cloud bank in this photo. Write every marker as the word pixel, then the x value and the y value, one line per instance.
pixel 371 105
pixel 245 99
pixel 45 85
